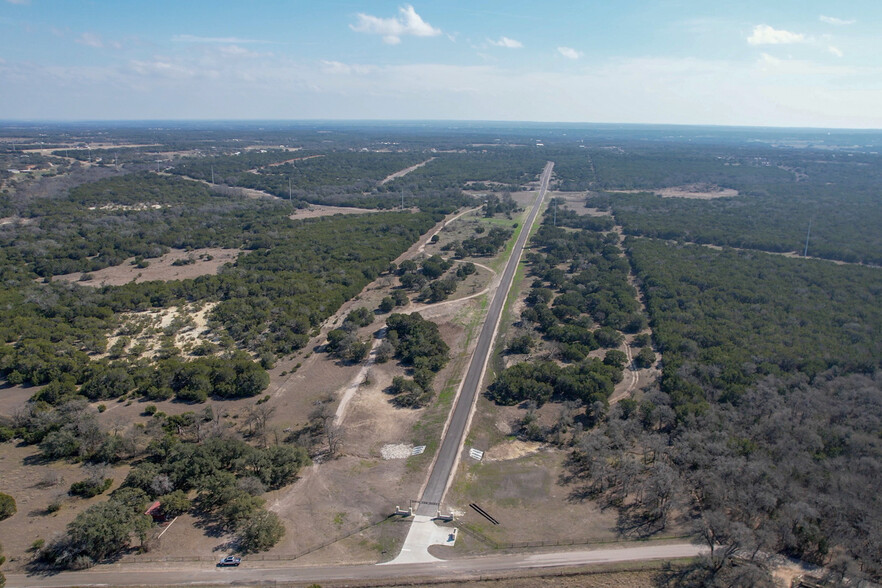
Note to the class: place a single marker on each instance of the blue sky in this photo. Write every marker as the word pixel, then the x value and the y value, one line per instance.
pixel 772 63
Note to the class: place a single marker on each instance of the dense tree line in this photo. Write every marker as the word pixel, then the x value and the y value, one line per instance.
pixel 494 205
pixel 297 274
pixel 51 328
pixel 343 342
pixel 309 170
pixel 659 167
pixel 724 319
pixel 762 430
pixel 503 168
pixel 227 476
pixel 840 224
pixel 345 178
pixel 190 462
pixel 586 305
pixel 419 346
pixel 103 223
pixel 586 382
pixel 790 468
pixel 483 246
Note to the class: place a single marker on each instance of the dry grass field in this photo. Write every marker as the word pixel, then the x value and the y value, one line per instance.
pixel 204 261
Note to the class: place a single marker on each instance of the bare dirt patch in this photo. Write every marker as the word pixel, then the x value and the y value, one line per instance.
pixel 138 207
pixel 511 449
pixel 396 450
pixel 34 484
pixel 15 220
pixel 317 210
pixel 575 201
pixel 293 160
pixel 700 191
pixel 205 261
pixel 188 325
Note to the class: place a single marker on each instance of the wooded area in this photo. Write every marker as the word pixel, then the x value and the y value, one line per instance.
pixel 761 434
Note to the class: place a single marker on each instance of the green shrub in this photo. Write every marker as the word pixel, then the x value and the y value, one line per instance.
pixel 7 506
pixel 89 488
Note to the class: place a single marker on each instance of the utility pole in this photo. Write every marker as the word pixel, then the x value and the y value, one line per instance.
pixel 555 211
pixel 807 234
pixel 290 196
pixel 212 174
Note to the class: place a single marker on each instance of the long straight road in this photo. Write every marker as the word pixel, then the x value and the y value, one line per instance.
pixel 264 573
pixel 451 444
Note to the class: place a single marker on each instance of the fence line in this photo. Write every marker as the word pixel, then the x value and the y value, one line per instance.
pixel 490 542
pixel 254 556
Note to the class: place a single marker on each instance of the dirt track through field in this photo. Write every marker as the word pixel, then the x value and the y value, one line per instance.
pixel 405 171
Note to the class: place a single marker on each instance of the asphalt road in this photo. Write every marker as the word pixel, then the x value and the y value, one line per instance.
pixel 262 574
pixel 453 437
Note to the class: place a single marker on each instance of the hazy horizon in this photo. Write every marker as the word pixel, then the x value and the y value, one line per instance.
pixel 816 65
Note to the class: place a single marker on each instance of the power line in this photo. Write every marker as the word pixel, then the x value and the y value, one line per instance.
pixel 807 234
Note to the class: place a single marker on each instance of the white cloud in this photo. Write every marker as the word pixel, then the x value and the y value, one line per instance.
pixel 161 67
pixel 835 51
pixel 237 51
pixel 766 35
pixel 408 22
pixel 506 42
pixel 569 52
pixel 836 21
pixel 768 91
pixel 90 40
pixel 224 40
pixel 340 68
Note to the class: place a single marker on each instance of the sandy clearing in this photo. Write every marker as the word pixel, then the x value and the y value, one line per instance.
pixel 702 191
pixel 396 450
pixel 695 191
pixel 34 484
pixel 16 220
pixel 137 207
pixel 405 171
pixel 151 325
pixel 205 261
pixel 511 449
pixel 575 201
pixel 317 210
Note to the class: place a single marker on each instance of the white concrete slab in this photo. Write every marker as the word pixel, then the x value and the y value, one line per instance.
pixel 423 532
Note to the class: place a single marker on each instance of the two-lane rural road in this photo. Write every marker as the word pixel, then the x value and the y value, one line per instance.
pixel 451 444
pixel 262 574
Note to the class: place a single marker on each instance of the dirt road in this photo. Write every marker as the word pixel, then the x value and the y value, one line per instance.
pixel 405 171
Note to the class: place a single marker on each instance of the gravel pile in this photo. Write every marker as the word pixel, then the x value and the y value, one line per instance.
pixel 399 451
